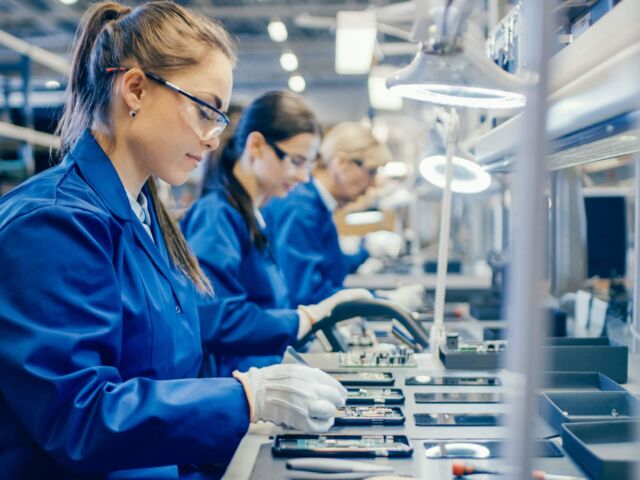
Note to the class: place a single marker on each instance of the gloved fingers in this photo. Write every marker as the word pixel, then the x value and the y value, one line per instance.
pixel 318 426
pixel 321 410
pixel 289 407
pixel 317 376
pixel 332 394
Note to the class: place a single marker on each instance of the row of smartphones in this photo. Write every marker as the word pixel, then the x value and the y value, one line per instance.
pixel 304 445
pixel 360 415
pixel 395 396
pixel 358 378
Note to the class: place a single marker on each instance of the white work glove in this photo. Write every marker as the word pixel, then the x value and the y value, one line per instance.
pixel 409 296
pixel 294 396
pixel 383 244
pixel 310 314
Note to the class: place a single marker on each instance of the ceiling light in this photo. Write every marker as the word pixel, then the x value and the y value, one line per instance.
pixel 289 61
pixel 51 84
pixel 68 2
pixel 468 176
pixel 277 31
pixel 297 83
pixel 355 41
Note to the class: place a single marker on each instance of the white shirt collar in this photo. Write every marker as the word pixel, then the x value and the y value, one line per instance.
pixel 326 197
pixel 259 218
pixel 140 208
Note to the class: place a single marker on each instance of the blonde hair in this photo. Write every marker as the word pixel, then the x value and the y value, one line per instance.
pixel 159 36
pixel 355 140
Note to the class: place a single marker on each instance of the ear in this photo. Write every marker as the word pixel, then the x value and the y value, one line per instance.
pixel 255 143
pixel 134 83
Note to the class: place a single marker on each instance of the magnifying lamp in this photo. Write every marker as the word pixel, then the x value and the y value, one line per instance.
pixel 468 176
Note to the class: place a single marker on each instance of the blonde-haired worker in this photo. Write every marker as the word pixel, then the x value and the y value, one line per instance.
pixel 301 224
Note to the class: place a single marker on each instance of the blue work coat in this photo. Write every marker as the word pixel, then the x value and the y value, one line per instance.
pixel 250 323
pixel 99 338
pixel 306 243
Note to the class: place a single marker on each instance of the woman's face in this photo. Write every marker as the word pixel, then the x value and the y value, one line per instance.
pixel 169 133
pixel 352 176
pixel 279 168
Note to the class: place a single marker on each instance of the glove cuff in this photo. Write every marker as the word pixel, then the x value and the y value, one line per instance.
pixel 248 391
pixel 305 322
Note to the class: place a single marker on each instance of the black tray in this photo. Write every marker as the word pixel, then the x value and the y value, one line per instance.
pixel 569 407
pixel 599 354
pixel 457 360
pixel 584 381
pixel 606 450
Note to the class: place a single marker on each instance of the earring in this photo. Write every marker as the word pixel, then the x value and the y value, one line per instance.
pixel 133 113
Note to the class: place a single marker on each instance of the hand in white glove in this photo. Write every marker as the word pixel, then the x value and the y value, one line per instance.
pixel 409 296
pixel 383 244
pixel 310 314
pixel 370 266
pixel 293 396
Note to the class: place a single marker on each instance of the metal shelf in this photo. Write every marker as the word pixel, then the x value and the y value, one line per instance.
pixel 595 92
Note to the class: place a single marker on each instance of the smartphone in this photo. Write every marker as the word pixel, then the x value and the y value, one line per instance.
pixel 335 445
pixel 374 396
pixel 356 378
pixel 453 381
pixel 480 449
pixel 449 397
pixel 367 415
pixel 458 419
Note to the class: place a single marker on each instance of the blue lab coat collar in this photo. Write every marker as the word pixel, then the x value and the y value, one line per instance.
pixel 100 174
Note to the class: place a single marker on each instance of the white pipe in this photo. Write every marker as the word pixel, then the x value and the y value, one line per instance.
pixel 635 324
pixel 38 55
pixel 437 334
pixel 526 274
pixel 8 130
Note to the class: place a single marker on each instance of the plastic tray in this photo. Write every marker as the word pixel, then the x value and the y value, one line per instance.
pixel 456 360
pixel 599 354
pixel 569 407
pixel 583 381
pixel 606 450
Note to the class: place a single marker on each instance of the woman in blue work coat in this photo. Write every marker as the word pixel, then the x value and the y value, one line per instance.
pixel 252 320
pixel 301 224
pixel 99 333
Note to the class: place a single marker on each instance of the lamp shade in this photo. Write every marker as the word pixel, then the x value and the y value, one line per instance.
pixel 459 78
pixel 468 176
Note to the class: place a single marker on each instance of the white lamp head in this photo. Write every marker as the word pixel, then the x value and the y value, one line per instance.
pixel 468 176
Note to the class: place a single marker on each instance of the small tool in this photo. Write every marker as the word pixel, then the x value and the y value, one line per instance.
pixel 296 356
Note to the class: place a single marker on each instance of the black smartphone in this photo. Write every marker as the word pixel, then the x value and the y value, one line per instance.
pixel 374 396
pixel 335 445
pixel 368 415
pixel 453 381
pixel 458 419
pixel 352 377
pixel 480 449
pixel 457 397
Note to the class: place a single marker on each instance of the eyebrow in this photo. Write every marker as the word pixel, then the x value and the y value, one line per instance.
pixel 212 98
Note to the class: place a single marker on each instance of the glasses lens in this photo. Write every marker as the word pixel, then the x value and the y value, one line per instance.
pixel 205 122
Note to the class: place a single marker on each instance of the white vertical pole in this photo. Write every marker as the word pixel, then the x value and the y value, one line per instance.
pixel 635 324
pixel 437 335
pixel 527 268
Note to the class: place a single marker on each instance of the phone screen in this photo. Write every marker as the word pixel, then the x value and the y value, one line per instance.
pixel 457 397
pixel 454 381
pixel 291 445
pixel 479 449
pixel 458 419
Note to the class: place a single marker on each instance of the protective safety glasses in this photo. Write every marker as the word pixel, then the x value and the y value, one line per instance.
pixel 206 120
pixel 298 161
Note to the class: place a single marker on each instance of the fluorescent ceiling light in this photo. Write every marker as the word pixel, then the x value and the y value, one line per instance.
pixel 468 176
pixel 297 83
pixel 289 61
pixel 462 78
pixel 379 95
pixel 364 218
pixel 277 31
pixel 68 2
pixel 52 84
pixel 355 42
